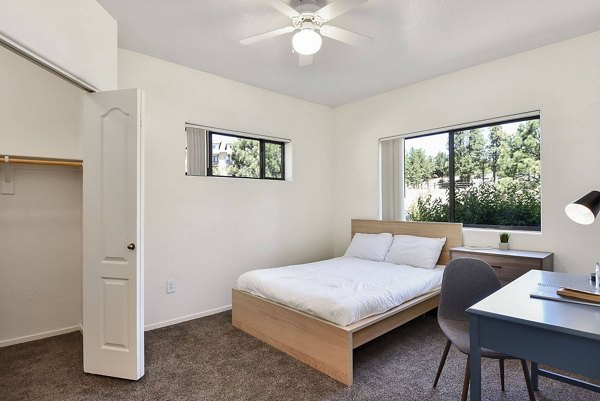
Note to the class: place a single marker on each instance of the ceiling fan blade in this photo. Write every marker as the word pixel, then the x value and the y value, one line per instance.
pixel 352 38
pixel 283 8
pixel 338 7
pixel 305 60
pixel 267 35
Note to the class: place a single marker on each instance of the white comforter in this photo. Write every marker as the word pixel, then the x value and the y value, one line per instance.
pixel 342 290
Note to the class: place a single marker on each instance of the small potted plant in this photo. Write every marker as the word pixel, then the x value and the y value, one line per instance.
pixel 504 237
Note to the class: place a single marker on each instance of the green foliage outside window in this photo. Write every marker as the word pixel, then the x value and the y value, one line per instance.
pixel 273 167
pixel 487 204
pixel 418 167
pixel 234 156
pixel 440 165
pixel 245 159
pixel 506 168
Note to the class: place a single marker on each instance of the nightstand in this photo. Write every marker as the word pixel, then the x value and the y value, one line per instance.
pixel 510 264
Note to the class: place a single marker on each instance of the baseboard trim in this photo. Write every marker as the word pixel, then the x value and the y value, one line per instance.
pixel 79 327
pixel 39 336
pixel 182 319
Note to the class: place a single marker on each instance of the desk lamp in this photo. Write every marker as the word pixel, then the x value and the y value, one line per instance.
pixel 584 211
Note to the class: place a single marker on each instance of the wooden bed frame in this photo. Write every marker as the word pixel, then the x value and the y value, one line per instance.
pixel 327 346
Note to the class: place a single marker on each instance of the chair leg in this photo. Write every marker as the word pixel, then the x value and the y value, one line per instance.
pixel 502 373
pixel 528 380
pixel 442 362
pixel 465 390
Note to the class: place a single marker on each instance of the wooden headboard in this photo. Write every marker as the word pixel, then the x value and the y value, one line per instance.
pixel 452 232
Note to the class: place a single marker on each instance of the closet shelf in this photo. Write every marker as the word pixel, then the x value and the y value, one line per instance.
pixel 46 162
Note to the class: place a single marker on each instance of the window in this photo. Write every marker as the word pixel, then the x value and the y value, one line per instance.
pixel 232 155
pixel 274 157
pixel 484 176
pixel 245 152
pixel 246 157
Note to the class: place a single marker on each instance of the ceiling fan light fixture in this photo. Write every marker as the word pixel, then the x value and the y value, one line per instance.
pixel 306 42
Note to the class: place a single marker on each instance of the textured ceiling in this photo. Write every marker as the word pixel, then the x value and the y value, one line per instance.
pixel 414 40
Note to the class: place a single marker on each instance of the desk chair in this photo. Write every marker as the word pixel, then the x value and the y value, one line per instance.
pixel 467 281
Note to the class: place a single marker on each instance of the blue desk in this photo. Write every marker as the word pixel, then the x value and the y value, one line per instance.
pixel 558 334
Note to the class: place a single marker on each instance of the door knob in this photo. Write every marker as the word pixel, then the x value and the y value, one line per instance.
pixel 131 246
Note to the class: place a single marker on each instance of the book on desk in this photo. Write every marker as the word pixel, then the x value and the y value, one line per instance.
pixel 586 295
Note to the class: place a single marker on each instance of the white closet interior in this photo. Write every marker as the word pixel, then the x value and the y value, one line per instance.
pixel 40 208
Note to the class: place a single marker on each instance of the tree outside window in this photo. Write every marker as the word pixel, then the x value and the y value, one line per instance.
pixel 496 181
pixel 243 157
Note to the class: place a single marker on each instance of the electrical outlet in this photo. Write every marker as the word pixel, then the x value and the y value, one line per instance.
pixel 170 286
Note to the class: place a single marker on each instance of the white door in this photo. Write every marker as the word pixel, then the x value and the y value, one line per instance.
pixel 113 299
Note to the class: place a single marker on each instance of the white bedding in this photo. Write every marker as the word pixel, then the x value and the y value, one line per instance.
pixel 342 290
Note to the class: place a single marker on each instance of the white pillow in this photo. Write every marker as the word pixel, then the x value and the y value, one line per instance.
pixel 370 246
pixel 415 251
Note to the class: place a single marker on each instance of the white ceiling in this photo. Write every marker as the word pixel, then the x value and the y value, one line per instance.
pixel 414 40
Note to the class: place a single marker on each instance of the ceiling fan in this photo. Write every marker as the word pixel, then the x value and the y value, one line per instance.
pixel 310 22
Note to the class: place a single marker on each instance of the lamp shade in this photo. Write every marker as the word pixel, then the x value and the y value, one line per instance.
pixel 306 42
pixel 585 209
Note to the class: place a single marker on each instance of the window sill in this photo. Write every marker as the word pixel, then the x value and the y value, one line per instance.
pixel 497 231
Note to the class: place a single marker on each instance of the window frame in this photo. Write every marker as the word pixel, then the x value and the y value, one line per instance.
pixel 261 155
pixel 452 178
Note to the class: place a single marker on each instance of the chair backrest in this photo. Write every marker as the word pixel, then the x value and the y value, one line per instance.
pixel 466 281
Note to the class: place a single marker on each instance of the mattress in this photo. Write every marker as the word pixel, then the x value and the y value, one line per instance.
pixel 341 290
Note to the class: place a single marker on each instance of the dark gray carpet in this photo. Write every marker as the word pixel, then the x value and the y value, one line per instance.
pixel 208 359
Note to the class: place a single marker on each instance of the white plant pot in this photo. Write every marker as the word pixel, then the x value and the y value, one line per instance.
pixel 503 246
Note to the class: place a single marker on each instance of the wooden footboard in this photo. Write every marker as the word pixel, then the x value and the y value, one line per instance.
pixel 316 342
pixel 323 345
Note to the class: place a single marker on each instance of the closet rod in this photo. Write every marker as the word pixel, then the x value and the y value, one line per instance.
pixel 45 162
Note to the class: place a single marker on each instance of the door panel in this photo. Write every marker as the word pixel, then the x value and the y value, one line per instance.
pixel 112 216
pixel 114 164
pixel 115 318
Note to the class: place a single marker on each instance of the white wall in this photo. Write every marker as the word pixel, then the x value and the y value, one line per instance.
pixel 561 80
pixel 77 36
pixel 204 232
pixel 39 112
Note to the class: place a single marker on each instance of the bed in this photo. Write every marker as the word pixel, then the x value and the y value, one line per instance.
pixel 322 344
